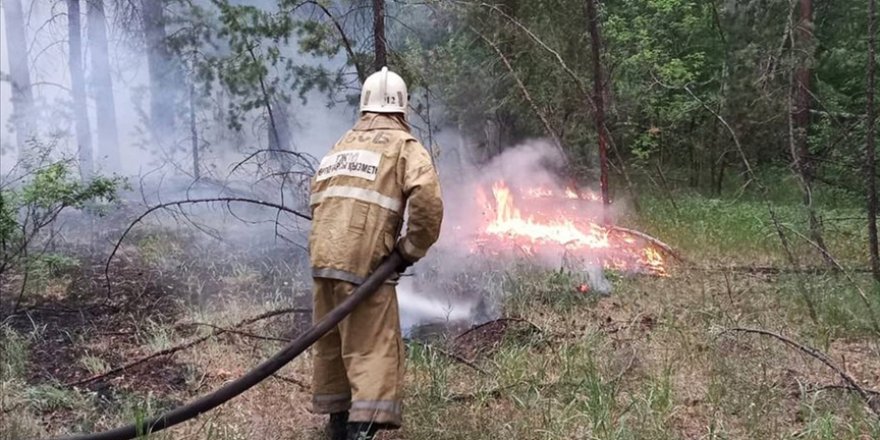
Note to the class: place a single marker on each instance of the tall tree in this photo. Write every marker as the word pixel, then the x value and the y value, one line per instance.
pixel 102 85
pixel 19 73
pixel 379 41
pixel 78 88
pixel 591 10
pixel 802 100
pixel 870 147
pixel 161 68
pixel 801 104
pixel 193 132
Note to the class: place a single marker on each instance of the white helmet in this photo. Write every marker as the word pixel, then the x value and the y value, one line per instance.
pixel 384 92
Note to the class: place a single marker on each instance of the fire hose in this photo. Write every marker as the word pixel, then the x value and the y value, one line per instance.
pixel 260 372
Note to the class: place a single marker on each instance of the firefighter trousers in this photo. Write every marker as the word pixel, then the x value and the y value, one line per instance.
pixel 358 366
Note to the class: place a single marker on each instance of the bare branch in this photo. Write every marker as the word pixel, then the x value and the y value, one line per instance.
pixel 818 355
pixel 188 202
pixel 183 346
pixel 557 142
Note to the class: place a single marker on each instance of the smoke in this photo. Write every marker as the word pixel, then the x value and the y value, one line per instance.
pixel 532 163
pixel 457 283
pixel 453 285
pixel 313 124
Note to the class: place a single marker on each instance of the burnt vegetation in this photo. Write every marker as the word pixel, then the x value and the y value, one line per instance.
pixel 154 169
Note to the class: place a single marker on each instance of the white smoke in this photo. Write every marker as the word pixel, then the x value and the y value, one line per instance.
pixel 532 163
pixel 314 125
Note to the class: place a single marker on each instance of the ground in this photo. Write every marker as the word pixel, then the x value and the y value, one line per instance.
pixel 655 360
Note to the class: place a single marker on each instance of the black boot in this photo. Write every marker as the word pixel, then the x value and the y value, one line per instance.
pixel 337 426
pixel 362 431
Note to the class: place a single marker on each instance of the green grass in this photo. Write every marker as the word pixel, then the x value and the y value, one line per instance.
pixel 525 285
pixel 840 308
pixel 13 353
pixel 738 227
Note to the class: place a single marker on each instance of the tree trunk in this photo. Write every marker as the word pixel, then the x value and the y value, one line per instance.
pixel 722 165
pixel 803 101
pixel 102 85
pixel 381 53
pixel 78 88
pixel 800 119
pixel 598 95
pixel 161 69
pixel 870 162
pixel 19 74
pixel 193 132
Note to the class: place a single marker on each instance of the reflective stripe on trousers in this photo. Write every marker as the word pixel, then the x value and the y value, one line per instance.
pixel 331 403
pixel 363 354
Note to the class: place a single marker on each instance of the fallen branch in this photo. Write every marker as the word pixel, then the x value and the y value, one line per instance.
pixel 183 346
pixel 235 332
pixel 821 357
pixel 15 407
pixel 663 246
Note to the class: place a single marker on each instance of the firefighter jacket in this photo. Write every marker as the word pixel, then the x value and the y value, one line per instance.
pixel 359 194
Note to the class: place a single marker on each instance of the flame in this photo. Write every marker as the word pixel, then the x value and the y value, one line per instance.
pixel 537 193
pixel 541 192
pixel 510 222
pixel 562 225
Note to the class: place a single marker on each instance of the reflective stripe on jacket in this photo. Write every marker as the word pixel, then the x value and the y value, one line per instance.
pixel 362 187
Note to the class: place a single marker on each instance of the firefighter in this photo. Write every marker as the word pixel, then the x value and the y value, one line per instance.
pixel 374 173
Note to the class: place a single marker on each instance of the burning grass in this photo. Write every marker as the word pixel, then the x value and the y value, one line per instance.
pixel 536 220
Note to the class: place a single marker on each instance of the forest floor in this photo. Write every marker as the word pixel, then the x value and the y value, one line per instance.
pixel 652 361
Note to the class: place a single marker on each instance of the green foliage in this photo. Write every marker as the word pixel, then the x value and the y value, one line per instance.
pixel 36 202
pixel 248 53
pixel 54 185
pixel 742 230
pixel 50 190
pixel 51 264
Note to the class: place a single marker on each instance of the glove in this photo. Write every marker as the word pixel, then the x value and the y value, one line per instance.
pixel 404 265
